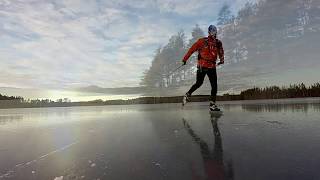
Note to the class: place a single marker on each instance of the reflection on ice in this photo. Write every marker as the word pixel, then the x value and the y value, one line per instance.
pixel 4 119
pixel 280 107
pixel 274 105
pixel 213 163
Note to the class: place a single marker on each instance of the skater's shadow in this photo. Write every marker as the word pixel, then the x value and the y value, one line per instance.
pixel 213 162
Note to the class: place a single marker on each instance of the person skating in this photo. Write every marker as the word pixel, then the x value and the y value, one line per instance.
pixel 209 49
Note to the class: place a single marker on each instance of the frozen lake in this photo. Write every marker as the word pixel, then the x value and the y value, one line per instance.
pixel 252 140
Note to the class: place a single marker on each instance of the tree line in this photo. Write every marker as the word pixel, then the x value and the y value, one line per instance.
pixel 272 92
pixel 275 92
pixel 167 58
pixel 267 35
pixel 160 74
pixel 4 97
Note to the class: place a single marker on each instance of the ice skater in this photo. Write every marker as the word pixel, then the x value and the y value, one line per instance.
pixel 209 49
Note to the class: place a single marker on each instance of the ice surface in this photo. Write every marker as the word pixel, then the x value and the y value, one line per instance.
pixel 58 178
pixel 272 139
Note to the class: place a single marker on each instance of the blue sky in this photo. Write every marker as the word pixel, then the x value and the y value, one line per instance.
pixel 49 44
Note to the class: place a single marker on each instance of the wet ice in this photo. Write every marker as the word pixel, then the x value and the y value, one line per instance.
pixel 275 139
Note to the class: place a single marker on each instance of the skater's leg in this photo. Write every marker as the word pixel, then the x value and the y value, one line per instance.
pixel 212 74
pixel 200 77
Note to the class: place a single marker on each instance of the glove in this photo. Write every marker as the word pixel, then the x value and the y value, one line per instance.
pixel 221 62
pixel 184 62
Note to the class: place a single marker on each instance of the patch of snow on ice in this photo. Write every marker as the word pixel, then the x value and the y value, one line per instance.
pixel 58 178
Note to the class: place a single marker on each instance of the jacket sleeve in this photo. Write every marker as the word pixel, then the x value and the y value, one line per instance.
pixel 221 52
pixel 195 47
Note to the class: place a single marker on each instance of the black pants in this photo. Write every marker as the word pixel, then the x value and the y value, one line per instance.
pixel 212 75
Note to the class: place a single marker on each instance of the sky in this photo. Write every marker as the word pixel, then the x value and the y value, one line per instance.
pixel 62 44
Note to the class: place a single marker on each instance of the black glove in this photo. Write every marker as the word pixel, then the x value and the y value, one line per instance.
pixel 221 62
pixel 184 62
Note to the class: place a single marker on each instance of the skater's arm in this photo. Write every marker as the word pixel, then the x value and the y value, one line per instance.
pixel 220 52
pixel 193 49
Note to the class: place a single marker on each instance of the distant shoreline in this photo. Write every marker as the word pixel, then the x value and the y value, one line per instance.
pixel 143 100
pixel 273 92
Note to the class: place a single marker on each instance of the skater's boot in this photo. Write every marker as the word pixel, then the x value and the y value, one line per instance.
pixel 213 106
pixel 185 99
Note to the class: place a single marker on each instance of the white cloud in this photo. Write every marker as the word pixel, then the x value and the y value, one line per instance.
pixel 57 44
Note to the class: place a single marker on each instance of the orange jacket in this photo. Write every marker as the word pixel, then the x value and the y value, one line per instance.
pixel 209 49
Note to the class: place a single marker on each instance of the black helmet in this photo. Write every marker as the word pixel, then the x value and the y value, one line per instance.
pixel 212 30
